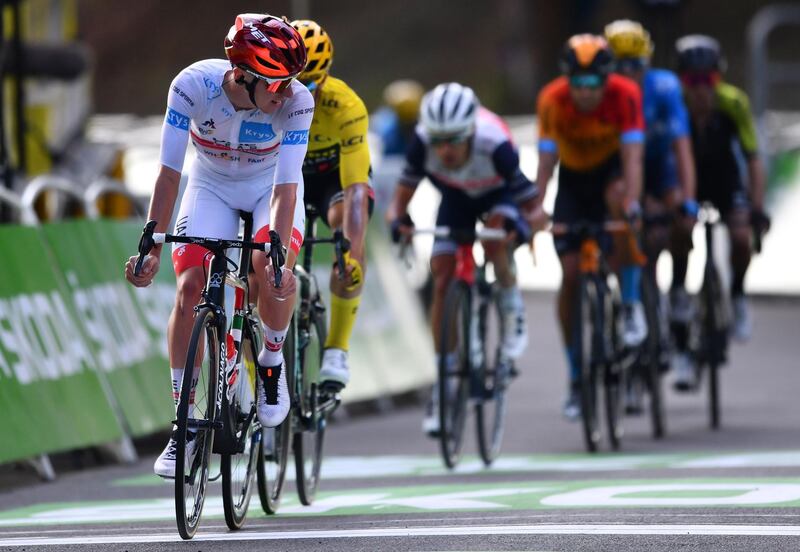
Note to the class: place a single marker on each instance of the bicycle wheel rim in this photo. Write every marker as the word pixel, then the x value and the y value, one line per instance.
pixel 494 374
pixel 191 479
pixel 453 379
pixel 309 434
pixel 613 374
pixel 582 335
pixel 238 475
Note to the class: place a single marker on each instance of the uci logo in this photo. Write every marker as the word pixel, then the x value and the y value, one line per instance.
pixel 215 280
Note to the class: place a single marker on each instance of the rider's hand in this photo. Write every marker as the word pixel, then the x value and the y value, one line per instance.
pixel 149 270
pixel 288 285
pixel 537 218
pixel 402 228
pixel 689 209
pixel 760 220
pixel 353 272
pixel 633 213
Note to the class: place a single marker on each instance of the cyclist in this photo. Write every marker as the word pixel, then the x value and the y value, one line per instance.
pixel 466 152
pixel 395 121
pixel 669 177
pixel 240 113
pixel 591 121
pixel 723 139
pixel 337 176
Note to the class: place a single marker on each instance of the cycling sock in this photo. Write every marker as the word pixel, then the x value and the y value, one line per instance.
pixel 510 299
pixel 177 379
pixel 631 280
pixel 737 285
pixel 343 318
pixel 572 364
pixel 271 354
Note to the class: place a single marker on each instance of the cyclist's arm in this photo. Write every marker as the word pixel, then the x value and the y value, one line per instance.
pixel 162 201
pixel 354 176
pixel 632 144
pixel 548 146
pixel 294 119
pixel 544 172
pixel 681 136
pixel 413 173
pixel 685 159
pixel 632 170
pixel 758 182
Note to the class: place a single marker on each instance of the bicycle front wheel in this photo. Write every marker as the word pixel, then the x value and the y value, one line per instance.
pixel 195 430
pixel 715 339
pixel 613 373
pixel 454 369
pixel 584 335
pixel 309 431
pixel 650 359
pixel 492 377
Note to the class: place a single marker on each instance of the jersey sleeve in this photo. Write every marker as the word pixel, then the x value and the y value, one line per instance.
pixel 354 150
pixel 738 108
pixel 631 122
pixel 294 119
pixel 506 163
pixel 414 169
pixel 181 109
pixel 676 113
pixel 545 110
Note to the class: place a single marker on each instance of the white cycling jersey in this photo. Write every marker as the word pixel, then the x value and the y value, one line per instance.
pixel 231 144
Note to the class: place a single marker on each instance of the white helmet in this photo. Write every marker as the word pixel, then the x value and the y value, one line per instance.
pixel 449 109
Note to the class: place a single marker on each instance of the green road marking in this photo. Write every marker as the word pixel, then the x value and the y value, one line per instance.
pixel 663 493
pixel 372 467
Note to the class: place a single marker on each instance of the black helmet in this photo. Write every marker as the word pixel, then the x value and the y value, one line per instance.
pixel 586 53
pixel 699 54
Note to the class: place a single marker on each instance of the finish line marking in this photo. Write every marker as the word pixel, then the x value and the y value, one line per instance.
pixel 455 531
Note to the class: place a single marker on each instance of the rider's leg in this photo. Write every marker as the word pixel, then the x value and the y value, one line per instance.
pixel 349 210
pixel 740 230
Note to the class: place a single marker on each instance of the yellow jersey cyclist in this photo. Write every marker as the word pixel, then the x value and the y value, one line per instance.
pixel 467 153
pixel 591 122
pixel 336 171
pixel 723 139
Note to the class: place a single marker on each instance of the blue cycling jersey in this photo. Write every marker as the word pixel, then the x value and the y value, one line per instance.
pixel 666 120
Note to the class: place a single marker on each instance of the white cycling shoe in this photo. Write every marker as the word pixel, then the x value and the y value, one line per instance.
pixel 164 465
pixel 273 400
pixel 634 324
pixel 515 333
pixel 742 327
pixel 334 367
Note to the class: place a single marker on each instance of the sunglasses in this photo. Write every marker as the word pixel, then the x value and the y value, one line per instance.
pixel 630 65
pixel 699 79
pixel 274 86
pixel 587 80
pixel 451 140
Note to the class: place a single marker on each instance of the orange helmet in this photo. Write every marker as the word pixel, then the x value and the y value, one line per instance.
pixel 587 53
pixel 266 47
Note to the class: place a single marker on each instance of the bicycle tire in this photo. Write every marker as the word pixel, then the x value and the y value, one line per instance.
pixel 492 378
pixel 613 372
pixel 583 343
pixel 190 489
pixel 650 369
pixel 713 341
pixel 274 442
pixel 453 388
pixel 309 431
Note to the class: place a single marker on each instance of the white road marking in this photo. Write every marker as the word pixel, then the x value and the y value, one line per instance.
pixel 453 531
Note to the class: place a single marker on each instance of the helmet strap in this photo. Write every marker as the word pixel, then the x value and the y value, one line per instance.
pixel 251 90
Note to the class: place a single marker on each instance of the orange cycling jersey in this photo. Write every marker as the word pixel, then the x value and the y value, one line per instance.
pixel 584 141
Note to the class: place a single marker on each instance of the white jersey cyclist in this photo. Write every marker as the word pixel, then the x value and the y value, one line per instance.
pixel 240 156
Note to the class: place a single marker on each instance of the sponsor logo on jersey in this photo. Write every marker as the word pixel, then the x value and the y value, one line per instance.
pixel 300 112
pixel 256 132
pixel 178 120
pixel 207 127
pixel 354 141
pixel 213 88
pixel 295 137
pixel 183 95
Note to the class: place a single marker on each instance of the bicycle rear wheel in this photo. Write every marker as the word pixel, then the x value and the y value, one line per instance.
pixel 195 435
pixel 453 386
pixel 309 428
pixel 650 360
pixel 584 346
pixel 273 442
pixel 613 371
pixel 492 376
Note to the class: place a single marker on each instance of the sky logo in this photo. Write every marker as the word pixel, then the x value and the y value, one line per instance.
pixel 256 132
pixel 178 120
pixel 295 137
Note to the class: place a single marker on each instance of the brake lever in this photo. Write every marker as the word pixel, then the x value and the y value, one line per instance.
pixel 146 244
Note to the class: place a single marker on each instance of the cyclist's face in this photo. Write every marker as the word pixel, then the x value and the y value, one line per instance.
pixel 451 154
pixel 700 98
pixel 269 102
pixel 586 98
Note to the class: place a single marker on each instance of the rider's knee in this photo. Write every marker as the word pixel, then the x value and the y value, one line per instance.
pixel 189 288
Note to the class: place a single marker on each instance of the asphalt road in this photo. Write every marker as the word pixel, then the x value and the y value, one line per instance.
pixel 384 487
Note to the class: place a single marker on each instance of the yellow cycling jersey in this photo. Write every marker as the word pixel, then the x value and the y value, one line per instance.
pixel 337 142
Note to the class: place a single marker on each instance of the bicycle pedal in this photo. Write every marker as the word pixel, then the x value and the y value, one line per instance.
pixel 330 388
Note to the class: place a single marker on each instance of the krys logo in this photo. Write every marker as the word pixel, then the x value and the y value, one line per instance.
pixel 294 137
pixel 178 120
pixel 256 132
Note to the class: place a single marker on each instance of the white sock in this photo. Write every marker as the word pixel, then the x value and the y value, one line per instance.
pixel 177 379
pixel 271 354
pixel 510 299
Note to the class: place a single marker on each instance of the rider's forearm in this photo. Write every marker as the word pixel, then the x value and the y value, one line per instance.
pixel 632 170
pixel 399 206
pixel 544 172
pixel 163 199
pixel 686 173
pixel 282 206
pixel 758 182
pixel 356 216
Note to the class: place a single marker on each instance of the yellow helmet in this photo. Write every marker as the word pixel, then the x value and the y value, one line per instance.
pixel 319 47
pixel 628 39
pixel 404 96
